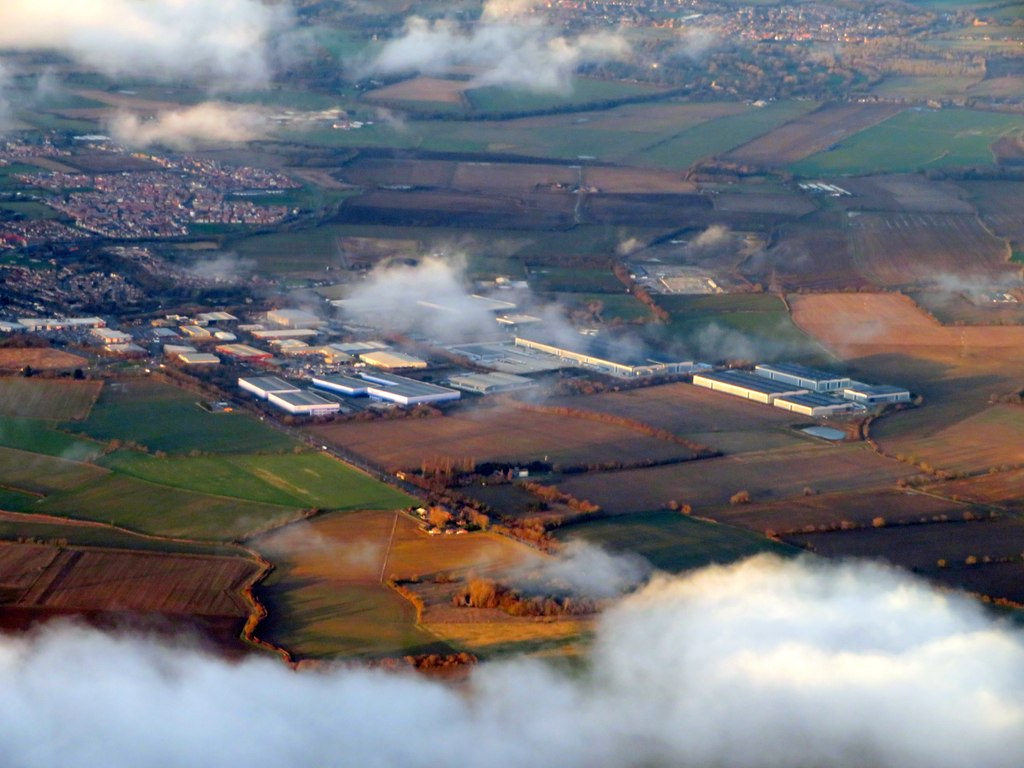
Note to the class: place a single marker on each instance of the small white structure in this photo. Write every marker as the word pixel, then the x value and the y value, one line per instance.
pixel 746 385
pixel 804 377
pixel 303 402
pixel 265 386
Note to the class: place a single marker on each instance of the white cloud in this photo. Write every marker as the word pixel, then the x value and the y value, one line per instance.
pixel 209 123
pixel 765 664
pixel 202 40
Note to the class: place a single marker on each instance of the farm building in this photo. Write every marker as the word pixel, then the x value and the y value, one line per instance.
pixel 285 333
pixel 816 404
pixel 174 350
pixel 343 385
pixel 876 394
pixel 592 354
pixel 264 386
pixel 294 318
pixel 303 402
pixel 406 391
pixel 746 385
pixel 243 352
pixel 489 383
pixel 392 359
pixel 804 377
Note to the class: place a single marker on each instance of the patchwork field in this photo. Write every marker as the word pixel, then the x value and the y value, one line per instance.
pixel 912 193
pixel 1004 489
pixel 165 418
pixel 709 484
pixel 39 436
pixel 497 434
pixel 811 133
pixel 37 473
pixel 327 598
pixel 54 399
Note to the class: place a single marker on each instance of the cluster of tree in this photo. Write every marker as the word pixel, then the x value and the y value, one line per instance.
pixel 551 494
pixel 486 593
pixel 641 294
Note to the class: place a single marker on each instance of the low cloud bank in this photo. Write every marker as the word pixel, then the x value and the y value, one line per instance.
pixel 206 124
pixel 762 664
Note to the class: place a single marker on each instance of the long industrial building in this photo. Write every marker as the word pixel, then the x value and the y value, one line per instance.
pixel 303 402
pixel 816 404
pixel 599 357
pixel 746 385
pixel 489 383
pixel 406 391
pixel 265 386
pixel 876 394
pixel 342 385
pixel 801 376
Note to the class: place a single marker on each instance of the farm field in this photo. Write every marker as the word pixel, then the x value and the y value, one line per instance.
pixel 811 133
pixel 53 399
pixel 1001 206
pixel 421 89
pixel 504 100
pixel 709 484
pixel 39 436
pixel 734 327
pixel 903 192
pixel 1004 489
pixel 812 253
pixel 37 473
pixel 907 249
pixel 496 434
pixel 165 418
pixel 671 541
pixel 825 511
pixel 729 424
pixel 610 308
pixel 968 308
pixel 547 279
pixel 915 139
pixel 164 511
pixel 922 546
pixel 326 598
pixel 39 360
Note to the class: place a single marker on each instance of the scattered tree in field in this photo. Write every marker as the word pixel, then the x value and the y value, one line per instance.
pixel 740 497
pixel 878 522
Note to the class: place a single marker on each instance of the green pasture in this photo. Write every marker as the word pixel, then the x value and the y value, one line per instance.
pixel 295 480
pixel 915 139
pixel 39 436
pixel 671 541
pixel 76 534
pixel 614 306
pixel 162 510
pixel 51 399
pixel 567 280
pixel 583 91
pixel 165 418
pixel 36 473
pixel 13 501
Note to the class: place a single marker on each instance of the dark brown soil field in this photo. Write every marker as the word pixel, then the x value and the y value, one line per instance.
pixel 825 511
pixel 708 484
pixel 636 181
pixel 371 172
pixel 783 204
pixel 922 546
pixel 73 579
pixel 510 178
pixel 39 359
pixel 811 133
pixel 997 580
pixel 914 249
pixel 541 210
pixel 497 434
pixel 811 253
pixel 909 193
pixel 1000 205
pixel 729 424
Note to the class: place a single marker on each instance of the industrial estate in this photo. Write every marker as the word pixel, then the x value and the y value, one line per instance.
pixel 338 361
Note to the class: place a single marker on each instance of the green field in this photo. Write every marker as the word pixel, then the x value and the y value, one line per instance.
pixel 165 511
pixel 12 529
pixel 568 280
pixel 30 210
pixel 16 502
pixel 506 100
pixel 614 306
pixel 38 436
pixel 742 326
pixel 915 139
pixel 165 418
pixel 36 473
pixel 672 541
pixel 294 480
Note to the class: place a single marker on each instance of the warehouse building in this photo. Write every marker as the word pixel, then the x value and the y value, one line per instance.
pixel 110 336
pixel 594 355
pixel 243 352
pixel 816 404
pixel 265 386
pixel 406 391
pixel 294 318
pixel 196 332
pixel 875 394
pixel 198 358
pixel 60 323
pixel 746 385
pixel 214 318
pixel 390 359
pixel 801 376
pixel 303 403
pixel 341 384
pixel 284 333
pixel 490 383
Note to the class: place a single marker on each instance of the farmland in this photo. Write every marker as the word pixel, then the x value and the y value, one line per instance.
pixel 52 399
pixel 1004 489
pixel 165 418
pixel 36 473
pixel 497 434
pixel 811 133
pixel 326 598
pixel 39 436
pixel 40 360
pixel 916 139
